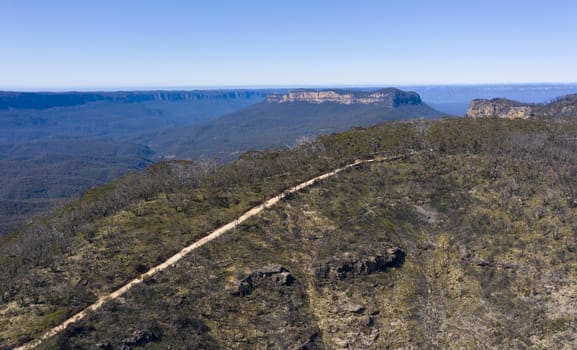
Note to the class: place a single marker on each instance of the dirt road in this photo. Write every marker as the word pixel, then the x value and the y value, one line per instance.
pixel 187 250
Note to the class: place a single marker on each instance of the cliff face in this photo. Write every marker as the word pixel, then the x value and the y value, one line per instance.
pixel 564 107
pixel 44 100
pixel 499 107
pixel 389 97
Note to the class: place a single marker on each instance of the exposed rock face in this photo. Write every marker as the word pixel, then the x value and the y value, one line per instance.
pixel 564 107
pixel 272 273
pixel 349 265
pixel 498 107
pixel 140 338
pixel 390 97
pixel 101 346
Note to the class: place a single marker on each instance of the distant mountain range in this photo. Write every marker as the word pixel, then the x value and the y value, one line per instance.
pixel 284 119
pixel 55 145
pixel 32 116
pixel 45 100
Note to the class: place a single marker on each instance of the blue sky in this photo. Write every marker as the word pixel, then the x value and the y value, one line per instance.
pixel 86 44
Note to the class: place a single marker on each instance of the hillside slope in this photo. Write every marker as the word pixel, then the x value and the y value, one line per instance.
pixel 468 246
pixel 46 178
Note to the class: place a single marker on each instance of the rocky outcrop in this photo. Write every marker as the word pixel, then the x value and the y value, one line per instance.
pixel 498 107
pixel 275 274
pixel 564 107
pixel 349 265
pixel 389 97
pixel 139 339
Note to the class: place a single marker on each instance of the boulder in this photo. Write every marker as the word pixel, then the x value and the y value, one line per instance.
pixel 347 265
pixel 140 338
pixel 101 346
pixel 271 274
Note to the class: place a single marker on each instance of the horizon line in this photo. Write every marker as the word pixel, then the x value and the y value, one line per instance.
pixel 119 88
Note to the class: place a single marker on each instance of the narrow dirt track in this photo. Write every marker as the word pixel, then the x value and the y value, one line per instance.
pixel 185 251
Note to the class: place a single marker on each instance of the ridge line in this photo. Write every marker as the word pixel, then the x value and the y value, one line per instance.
pixel 201 242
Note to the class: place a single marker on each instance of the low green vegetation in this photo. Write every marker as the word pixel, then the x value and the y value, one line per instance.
pixel 477 234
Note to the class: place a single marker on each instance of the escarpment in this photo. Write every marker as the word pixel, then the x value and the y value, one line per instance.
pixel 390 97
pixel 563 107
pixel 44 100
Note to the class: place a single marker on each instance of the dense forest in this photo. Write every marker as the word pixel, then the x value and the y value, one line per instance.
pixel 468 243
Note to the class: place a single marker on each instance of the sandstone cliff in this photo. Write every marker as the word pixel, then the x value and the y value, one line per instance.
pixel 390 97
pixel 563 107
pixel 498 107
pixel 44 100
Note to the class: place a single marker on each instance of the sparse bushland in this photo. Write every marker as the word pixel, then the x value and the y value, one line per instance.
pixel 485 222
